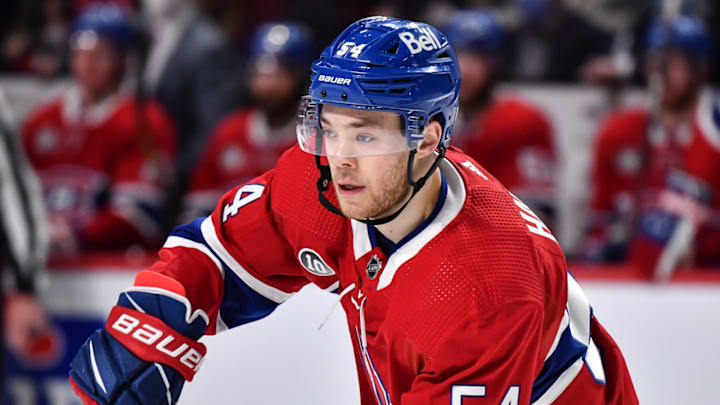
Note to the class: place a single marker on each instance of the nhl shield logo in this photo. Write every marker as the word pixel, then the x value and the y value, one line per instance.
pixel 373 267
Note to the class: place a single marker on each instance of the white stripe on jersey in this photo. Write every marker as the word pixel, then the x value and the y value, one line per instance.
pixel 176 241
pixel 220 325
pixel 334 286
pixel 578 308
pixel 361 239
pixel 560 384
pixel 563 324
pixel 704 118
pixel 594 362
pixel 273 294
pixel 454 202
pixel 577 317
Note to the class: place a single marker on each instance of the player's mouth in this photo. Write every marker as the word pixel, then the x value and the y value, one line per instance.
pixel 345 188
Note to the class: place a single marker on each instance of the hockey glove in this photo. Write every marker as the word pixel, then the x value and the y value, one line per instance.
pixel 147 349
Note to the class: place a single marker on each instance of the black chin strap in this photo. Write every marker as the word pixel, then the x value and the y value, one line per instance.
pixel 323 185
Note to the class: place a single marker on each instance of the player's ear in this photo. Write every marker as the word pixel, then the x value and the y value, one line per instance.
pixel 433 132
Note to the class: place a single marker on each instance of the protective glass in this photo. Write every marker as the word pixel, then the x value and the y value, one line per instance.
pixel 378 132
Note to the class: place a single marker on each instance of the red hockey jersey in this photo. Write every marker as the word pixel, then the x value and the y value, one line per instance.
pixel 242 147
pixel 513 140
pixel 103 169
pixel 646 179
pixel 477 306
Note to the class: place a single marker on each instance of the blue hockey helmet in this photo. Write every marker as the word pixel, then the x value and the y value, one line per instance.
pixel 103 20
pixel 683 33
pixel 475 31
pixel 385 64
pixel 390 65
pixel 289 41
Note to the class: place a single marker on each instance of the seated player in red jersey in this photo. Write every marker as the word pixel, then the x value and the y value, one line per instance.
pixel 102 154
pixel 455 291
pixel 249 142
pixel 656 177
pixel 510 137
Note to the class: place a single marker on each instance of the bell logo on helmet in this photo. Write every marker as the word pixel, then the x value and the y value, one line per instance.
pixel 335 80
pixel 427 42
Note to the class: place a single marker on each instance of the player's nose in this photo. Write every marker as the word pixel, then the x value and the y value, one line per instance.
pixel 343 161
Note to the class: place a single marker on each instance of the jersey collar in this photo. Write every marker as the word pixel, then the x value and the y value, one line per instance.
pixel 388 246
pixel 72 111
pixel 445 211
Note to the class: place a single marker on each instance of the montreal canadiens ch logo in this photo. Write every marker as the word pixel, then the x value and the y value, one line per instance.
pixel 313 263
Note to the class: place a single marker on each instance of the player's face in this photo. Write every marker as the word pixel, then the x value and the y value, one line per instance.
pixel 95 65
pixel 371 186
pixel 475 74
pixel 272 84
pixel 679 83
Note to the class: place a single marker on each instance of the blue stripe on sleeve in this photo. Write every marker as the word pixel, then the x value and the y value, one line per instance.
pixel 191 231
pixel 566 353
pixel 240 303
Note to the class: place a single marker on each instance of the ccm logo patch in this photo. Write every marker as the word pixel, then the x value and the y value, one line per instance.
pixel 427 41
pixel 313 263
pixel 152 340
pixel 335 80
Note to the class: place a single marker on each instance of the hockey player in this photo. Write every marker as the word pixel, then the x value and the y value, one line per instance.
pixel 101 153
pixel 507 135
pixel 249 142
pixel 454 290
pixel 656 185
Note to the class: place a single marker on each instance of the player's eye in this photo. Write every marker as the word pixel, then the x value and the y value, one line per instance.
pixel 328 134
pixel 364 138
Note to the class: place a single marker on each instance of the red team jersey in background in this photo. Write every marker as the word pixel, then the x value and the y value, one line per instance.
pixel 513 140
pixel 476 306
pixel 102 168
pixel 240 148
pixel 645 177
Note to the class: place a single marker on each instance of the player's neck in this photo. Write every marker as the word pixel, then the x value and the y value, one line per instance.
pixel 418 210
pixel 92 98
pixel 673 117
